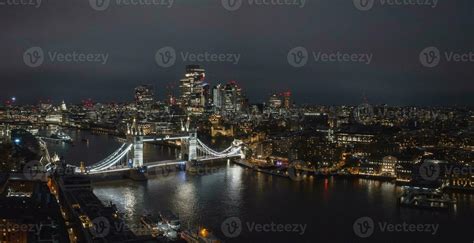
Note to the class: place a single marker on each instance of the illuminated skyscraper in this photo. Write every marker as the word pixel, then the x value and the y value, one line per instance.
pixel 228 98
pixel 232 97
pixel 282 100
pixel 287 99
pixel 144 96
pixel 217 97
pixel 192 88
pixel 275 101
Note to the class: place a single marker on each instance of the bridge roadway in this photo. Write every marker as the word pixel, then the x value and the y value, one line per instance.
pixel 164 138
pixel 148 165
pixel 218 157
pixel 163 163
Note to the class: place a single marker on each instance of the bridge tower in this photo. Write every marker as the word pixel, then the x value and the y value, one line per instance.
pixel 135 136
pixel 192 147
pixel 189 147
pixel 137 151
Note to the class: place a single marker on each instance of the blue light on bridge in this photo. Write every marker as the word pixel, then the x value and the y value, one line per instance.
pixel 143 169
pixel 17 141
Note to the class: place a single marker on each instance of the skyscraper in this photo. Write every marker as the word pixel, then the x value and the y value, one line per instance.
pixel 228 98
pixel 144 96
pixel 275 101
pixel 192 89
pixel 287 99
pixel 281 100
pixel 217 97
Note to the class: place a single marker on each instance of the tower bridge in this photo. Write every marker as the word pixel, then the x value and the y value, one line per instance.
pixel 129 156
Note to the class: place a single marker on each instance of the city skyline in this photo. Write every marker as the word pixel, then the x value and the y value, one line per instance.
pixel 164 98
pixel 161 94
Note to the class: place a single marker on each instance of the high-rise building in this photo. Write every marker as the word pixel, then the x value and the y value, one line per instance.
pixel 287 99
pixel 228 98
pixel 217 97
pixel 144 96
pixel 275 101
pixel 281 100
pixel 193 89
pixel 232 97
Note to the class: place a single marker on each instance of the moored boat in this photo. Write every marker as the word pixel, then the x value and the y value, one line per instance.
pixel 425 198
pixel 150 222
pixel 200 235
pixel 60 135
pixel 171 219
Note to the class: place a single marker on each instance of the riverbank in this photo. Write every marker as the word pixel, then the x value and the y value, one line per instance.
pixel 256 168
pixel 283 173
pixel 392 180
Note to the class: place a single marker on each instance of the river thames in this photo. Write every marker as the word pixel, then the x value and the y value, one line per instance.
pixel 268 208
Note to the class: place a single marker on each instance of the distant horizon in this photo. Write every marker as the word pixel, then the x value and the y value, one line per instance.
pixel 251 102
pixel 326 52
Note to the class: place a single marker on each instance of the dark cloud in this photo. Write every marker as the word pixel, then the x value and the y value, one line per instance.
pixel 262 35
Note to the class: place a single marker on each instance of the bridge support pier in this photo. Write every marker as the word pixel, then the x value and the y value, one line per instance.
pixel 137 175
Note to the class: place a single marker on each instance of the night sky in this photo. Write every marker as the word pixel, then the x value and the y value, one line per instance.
pixel 262 35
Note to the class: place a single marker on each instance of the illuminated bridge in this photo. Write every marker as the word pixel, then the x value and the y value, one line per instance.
pixel 130 154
